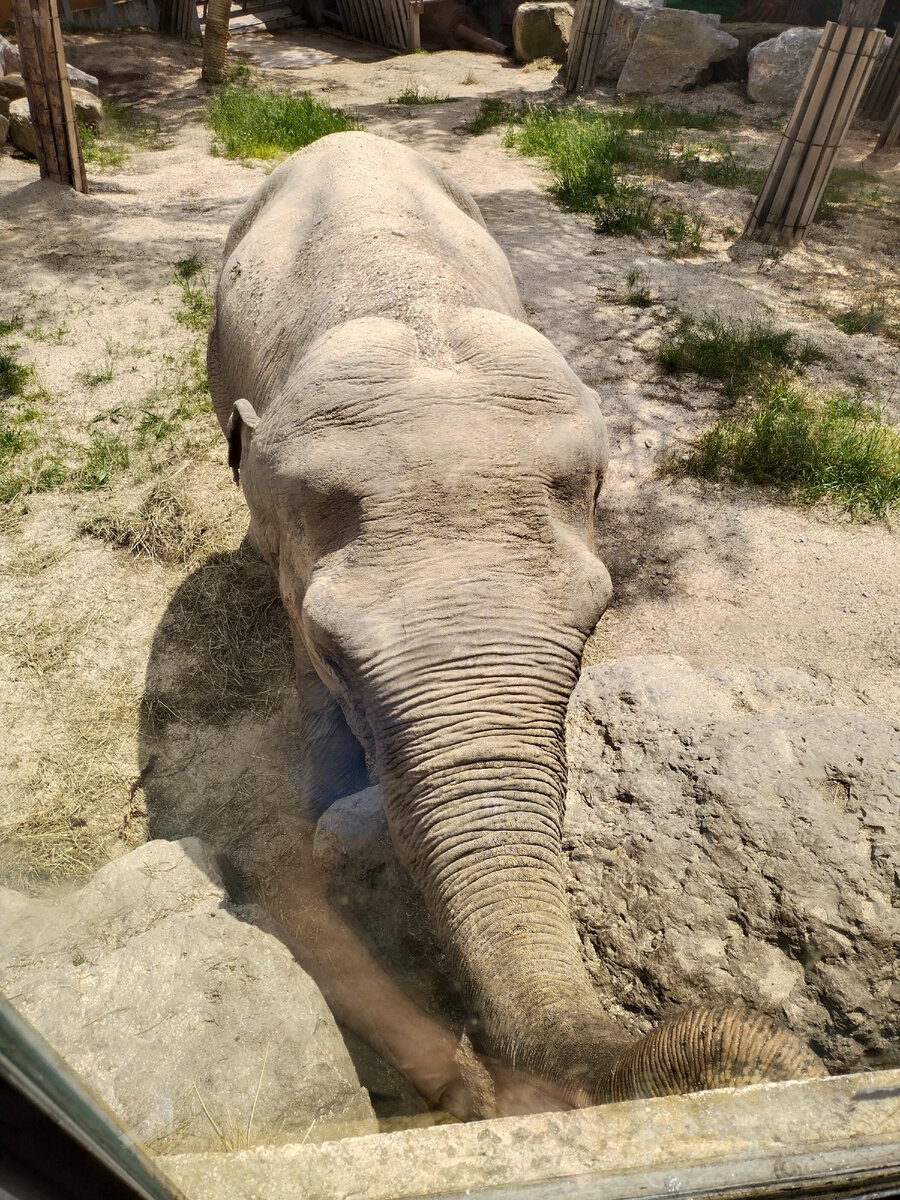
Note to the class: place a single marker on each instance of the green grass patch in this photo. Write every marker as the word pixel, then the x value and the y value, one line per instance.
pixel 196 296
pixel 255 123
pixel 413 94
pixel 123 132
pixel 871 314
pixel 833 447
pixel 602 160
pixel 736 355
pixel 849 190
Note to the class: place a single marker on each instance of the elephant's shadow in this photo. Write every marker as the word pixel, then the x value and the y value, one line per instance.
pixel 219 760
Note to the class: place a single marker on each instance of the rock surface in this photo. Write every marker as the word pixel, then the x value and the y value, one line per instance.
pixel 671 52
pixel 625 20
pixel 542 29
pixel 165 999
pixel 88 110
pixel 777 68
pixel 4 128
pixel 12 86
pixel 9 57
pixel 748 34
pixel 731 836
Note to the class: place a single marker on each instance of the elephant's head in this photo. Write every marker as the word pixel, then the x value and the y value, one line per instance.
pixel 430 517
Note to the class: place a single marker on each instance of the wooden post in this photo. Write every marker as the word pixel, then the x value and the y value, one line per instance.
pixel 827 103
pixel 890 134
pixel 49 94
pixel 885 84
pixel 589 29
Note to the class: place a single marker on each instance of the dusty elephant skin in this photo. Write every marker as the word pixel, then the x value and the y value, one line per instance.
pixel 421 469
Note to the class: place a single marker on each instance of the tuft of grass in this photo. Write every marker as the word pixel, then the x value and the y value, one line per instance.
pixel 491 113
pixel 262 123
pixel 13 375
pixel 167 527
pixel 93 379
pixel 834 447
pixel 103 458
pixel 871 315
pixel 413 94
pixel 541 64
pixel 734 354
pixel 124 131
pixel 227 617
pixel 722 168
pixel 196 296
pixel 42 646
pixel 638 284
pixel 469 79
pixel 848 190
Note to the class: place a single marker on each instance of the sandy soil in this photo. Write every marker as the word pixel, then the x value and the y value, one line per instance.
pixel 718 574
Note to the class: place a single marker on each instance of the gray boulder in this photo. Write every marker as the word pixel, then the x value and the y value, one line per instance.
pixel 81 79
pixel 748 34
pixel 542 29
pixel 731 837
pixel 777 68
pixel 9 57
pixel 88 110
pixel 4 128
pixel 177 1009
pixel 673 50
pixel 12 86
pixel 21 131
pixel 625 20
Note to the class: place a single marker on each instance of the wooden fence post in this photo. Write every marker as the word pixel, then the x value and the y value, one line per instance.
pixel 880 94
pixel 827 103
pixel 49 94
pixel 589 29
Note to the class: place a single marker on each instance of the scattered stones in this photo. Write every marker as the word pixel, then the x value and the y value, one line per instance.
pixel 625 20
pixel 673 50
pixel 166 998
pixel 542 29
pixel 777 67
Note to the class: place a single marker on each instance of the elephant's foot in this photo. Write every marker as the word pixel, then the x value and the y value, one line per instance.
pixel 487 1087
pixel 708 1048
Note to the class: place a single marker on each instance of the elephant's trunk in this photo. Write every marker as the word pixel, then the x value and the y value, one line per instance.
pixel 474 776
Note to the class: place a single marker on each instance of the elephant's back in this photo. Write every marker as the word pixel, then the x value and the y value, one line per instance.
pixel 353 226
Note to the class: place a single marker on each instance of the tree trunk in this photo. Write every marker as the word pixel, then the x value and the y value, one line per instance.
pixel 861 13
pixel 215 41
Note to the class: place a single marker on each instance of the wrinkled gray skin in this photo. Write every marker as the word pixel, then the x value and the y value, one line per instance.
pixel 421 469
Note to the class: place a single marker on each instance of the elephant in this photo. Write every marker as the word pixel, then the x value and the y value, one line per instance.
pixel 421 468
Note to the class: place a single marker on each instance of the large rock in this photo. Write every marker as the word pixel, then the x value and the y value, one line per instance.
pixel 625 20
pixel 21 131
pixel 9 57
pixel 166 998
pixel 88 110
pixel 748 34
pixel 672 51
pixel 777 68
pixel 4 127
pixel 542 29
pixel 731 836
pixel 12 86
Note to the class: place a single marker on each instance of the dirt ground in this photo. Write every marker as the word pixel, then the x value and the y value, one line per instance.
pixel 116 665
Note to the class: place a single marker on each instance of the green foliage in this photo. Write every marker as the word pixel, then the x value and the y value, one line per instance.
pixel 493 112
pixel 724 169
pixel 196 297
pixel 848 190
pixel 638 284
pixel 869 315
pixel 412 94
pixel 834 447
pixel 123 132
pixel 734 354
pixel 253 123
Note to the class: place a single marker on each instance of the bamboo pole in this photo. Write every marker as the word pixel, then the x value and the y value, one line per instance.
pixel 828 101
pixel 589 30
pixel 49 94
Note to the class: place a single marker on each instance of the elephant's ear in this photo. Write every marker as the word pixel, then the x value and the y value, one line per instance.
pixel 243 413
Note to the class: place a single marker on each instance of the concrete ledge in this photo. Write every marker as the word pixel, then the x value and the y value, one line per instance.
pixel 729 1143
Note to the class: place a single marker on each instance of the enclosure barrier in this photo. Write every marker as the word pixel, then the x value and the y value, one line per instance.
pixel 825 108
pixel 46 78
pixel 589 29
pixel 882 91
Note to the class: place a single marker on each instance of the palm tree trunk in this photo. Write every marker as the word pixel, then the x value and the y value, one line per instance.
pixel 215 41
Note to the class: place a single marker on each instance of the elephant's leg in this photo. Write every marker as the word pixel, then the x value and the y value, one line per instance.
pixel 333 763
